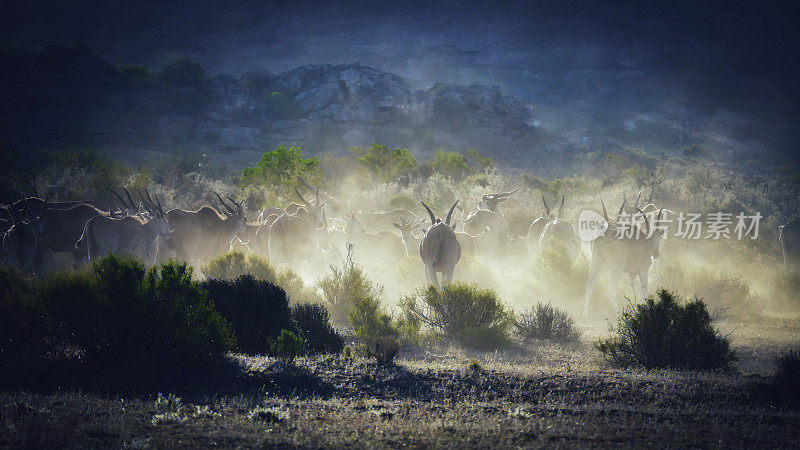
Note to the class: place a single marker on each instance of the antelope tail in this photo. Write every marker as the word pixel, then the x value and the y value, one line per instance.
pixel 435 244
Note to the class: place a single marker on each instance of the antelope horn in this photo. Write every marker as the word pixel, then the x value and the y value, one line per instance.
pixel 506 194
pixel 306 184
pixel 160 208
pixel 646 223
pixel 450 213
pixel 144 202
pixel 6 179
pixel 228 208
pixel 636 204
pixel 301 197
pixel 238 204
pixel 117 195
pixel 650 199
pixel 561 208
pixel 546 206
pixel 621 207
pixel 130 197
pixel 433 218
pixel 605 213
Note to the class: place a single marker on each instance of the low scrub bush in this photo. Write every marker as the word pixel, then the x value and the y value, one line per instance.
pixel 312 322
pixel 345 285
pixel 231 265
pixel 384 349
pixel 664 332
pixel 462 312
pixel 287 346
pixel 256 309
pixel 545 321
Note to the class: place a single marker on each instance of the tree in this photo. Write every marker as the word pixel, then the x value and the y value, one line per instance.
pixel 279 169
pixel 385 162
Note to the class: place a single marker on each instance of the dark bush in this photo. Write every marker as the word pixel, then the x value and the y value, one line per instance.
pixel 116 310
pixel 256 309
pixel 664 333
pixel 24 324
pixel 189 327
pixel 384 349
pixel 462 312
pixel 312 322
pixel 784 386
pixel 287 346
pixel 545 321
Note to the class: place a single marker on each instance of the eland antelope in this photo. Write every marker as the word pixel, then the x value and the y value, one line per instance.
pixel 439 249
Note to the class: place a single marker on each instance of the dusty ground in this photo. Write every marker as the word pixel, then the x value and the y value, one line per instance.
pixel 538 395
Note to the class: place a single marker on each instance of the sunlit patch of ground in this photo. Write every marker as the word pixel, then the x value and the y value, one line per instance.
pixel 538 394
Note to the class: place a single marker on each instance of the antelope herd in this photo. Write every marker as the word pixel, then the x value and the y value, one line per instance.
pixel 317 231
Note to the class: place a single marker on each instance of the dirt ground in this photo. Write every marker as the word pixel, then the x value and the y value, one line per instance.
pixel 537 395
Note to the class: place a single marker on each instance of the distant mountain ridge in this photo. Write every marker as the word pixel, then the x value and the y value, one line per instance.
pixel 62 97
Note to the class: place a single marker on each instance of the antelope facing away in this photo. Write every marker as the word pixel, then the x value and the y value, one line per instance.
pixel 623 249
pixel 129 235
pixel 559 229
pixel 439 249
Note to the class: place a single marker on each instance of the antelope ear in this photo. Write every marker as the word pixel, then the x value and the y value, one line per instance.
pixel 397 226
pixel 424 230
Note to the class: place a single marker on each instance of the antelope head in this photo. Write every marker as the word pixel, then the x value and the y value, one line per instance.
pixel 491 201
pixel 435 221
pixel 235 212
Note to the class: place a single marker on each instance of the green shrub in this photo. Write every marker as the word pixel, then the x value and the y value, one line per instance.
pixel 312 322
pixel 279 170
pixel 384 349
pixel 386 163
pixel 664 333
pixel 345 285
pixel 24 324
pixel 545 321
pixel 287 346
pixel 182 318
pixel 256 309
pixel 462 312
pixel 231 265
pixel 116 310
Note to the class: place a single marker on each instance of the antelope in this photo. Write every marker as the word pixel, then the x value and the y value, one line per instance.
pixel 631 253
pixel 380 243
pixel 129 235
pixel 560 230
pixel 489 216
pixel 66 227
pixel 406 227
pixel 536 228
pixel 203 233
pixel 439 249
pixel 20 241
pixel 378 222
pixel 294 237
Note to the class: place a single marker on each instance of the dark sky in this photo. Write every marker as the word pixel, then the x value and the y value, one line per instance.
pixel 461 41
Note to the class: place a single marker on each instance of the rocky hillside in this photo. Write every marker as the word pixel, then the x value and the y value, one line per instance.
pixel 62 97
